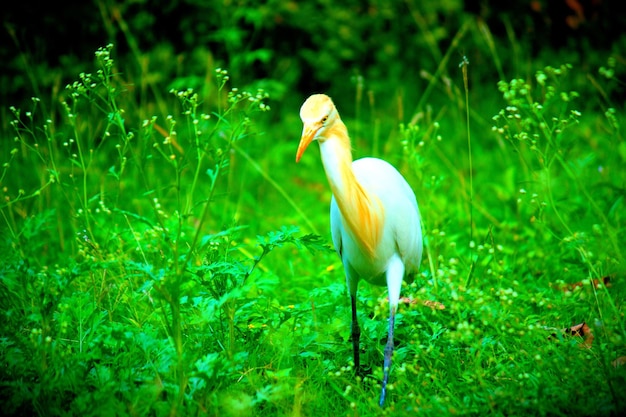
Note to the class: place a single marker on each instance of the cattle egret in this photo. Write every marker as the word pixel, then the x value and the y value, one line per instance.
pixel 374 218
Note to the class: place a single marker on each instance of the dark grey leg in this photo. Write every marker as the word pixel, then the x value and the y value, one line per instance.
pixel 388 353
pixel 356 335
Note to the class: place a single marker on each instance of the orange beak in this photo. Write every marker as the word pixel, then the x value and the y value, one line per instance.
pixel 308 133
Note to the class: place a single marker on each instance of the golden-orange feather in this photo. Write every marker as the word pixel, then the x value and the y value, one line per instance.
pixel 361 212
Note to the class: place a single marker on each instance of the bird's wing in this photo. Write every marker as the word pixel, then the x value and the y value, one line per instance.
pixel 336 226
pixel 402 218
pixel 408 236
pixel 336 230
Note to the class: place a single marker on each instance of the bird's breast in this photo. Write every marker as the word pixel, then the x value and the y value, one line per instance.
pixel 367 264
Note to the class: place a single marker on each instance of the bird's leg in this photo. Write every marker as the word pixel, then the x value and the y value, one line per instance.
pixel 356 335
pixel 388 353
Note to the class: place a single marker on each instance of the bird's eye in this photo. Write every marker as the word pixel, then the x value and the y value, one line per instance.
pixel 324 119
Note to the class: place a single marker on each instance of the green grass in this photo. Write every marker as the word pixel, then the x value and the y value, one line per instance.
pixel 168 257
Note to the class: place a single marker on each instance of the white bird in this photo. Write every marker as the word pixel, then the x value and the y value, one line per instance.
pixel 374 217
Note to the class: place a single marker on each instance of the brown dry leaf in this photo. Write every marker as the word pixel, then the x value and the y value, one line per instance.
pixel 606 281
pixel 581 330
pixel 619 362
pixel 435 305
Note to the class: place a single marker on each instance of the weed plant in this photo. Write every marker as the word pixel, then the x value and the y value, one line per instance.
pixel 107 257
pixel 131 283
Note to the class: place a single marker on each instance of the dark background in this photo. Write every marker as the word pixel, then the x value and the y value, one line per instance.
pixel 299 46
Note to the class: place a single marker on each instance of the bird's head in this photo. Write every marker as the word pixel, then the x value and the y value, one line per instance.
pixel 318 113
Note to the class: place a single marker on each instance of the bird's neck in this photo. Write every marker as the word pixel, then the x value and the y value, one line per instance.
pixel 361 211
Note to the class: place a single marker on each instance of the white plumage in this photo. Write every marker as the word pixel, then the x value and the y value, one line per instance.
pixel 374 217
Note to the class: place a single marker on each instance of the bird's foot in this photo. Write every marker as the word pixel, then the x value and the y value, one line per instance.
pixel 363 371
